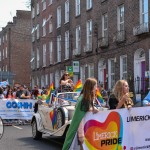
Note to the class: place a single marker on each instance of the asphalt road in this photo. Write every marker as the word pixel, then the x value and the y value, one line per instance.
pixel 20 138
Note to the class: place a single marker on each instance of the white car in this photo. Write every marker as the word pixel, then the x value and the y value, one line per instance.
pixel 54 118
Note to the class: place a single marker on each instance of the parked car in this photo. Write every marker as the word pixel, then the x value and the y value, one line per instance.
pixel 55 117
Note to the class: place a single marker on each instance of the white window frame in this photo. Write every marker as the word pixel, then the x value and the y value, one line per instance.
pixel 6 52
pixel 67 11
pixel 51 78
pixel 89 35
pixel 51 52
pixel 59 48
pixel 111 73
pixel 91 70
pixel 120 14
pixel 6 68
pixel 123 67
pixel 38 58
pixel 0 41
pixel 37 8
pixel 58 16
pixel 77 7
pixel 44 55
pixel 44 4
pixel 3 54
pixel 143 12
pixel 33 34
pixel 0 56
pixel 50 2
pixel 89 4
pixel 105 25
pixel 44 27
pixel 33 12
pixel 46 80
pixel 42 81
pixel 50 26
pixel 78 39
pixel 67 43
pixel 82 73
pixel 37 31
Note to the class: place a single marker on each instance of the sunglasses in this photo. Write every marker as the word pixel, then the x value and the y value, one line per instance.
pixel 66 74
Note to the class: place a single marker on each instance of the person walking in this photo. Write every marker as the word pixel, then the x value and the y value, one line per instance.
pixel 84 104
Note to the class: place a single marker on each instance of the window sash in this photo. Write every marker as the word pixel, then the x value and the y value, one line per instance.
pixel 66 11
pixel 105 25
pixel 66 44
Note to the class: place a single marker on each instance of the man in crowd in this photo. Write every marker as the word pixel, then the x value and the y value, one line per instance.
pixel 22 93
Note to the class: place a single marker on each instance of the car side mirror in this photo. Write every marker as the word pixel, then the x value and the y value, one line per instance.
pixel 1 128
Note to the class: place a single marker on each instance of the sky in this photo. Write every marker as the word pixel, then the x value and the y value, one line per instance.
pixel 8 10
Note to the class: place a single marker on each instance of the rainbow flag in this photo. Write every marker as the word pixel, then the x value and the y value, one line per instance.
pixel 50 90
pixel 99 96
pixel 78 86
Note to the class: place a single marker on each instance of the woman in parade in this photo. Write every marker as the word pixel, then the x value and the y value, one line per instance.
pixel 120 97
pixel 66 84
pixel 85 104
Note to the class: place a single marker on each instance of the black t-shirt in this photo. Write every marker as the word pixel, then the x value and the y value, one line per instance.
pixel 20 92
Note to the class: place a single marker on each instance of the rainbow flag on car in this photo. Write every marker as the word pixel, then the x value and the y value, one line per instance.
pixel 99 96
pixel 78 86
pixel 50 90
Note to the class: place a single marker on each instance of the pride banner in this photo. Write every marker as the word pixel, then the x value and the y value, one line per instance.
pixel 16 108
pixel 120 129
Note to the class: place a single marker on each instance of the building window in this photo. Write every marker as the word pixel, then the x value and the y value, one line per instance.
pixel 78 39
pixel 144 11
pixel 44 27
pixel 37 32
pixel 6 36
pixel 33 34
pixel 33 12
pixel 44 4
pixel 46 80
pixel 38 58
pixel 6 68
pixel 67 45
pixel 51 78
pixel 51 52
pixel 32 61
pixel 44 55
pixel 6 52
pixel 67 11
pixel 123 67
pixel 88 4
pixel 37 8
pixel 77 7
pixel 111 73
pixel 121 18
pixel 38 81
pixel 0 56
pixel 82 73
pixel 3 54
pixel 59 48
pixel 42 81
pixel 0 41
pixel 89 35
pixel 105 25
pixel 58 17
pixel 91 70
pixel 50 26
pixel 50 2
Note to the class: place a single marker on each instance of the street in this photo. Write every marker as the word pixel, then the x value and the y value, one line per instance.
pixel 20 138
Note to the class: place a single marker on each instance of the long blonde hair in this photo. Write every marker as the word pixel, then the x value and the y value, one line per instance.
pixel 118 88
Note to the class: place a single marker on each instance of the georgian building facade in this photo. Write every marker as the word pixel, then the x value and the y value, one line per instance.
pixel 109 39
pixel 15 49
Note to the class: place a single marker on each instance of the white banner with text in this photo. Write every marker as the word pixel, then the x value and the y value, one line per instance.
pixel 119 129
pixel 17 108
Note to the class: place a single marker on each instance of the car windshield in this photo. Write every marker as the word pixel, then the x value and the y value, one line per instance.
pixel 68 96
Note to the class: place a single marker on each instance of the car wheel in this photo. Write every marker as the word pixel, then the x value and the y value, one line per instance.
pixel 60 117
pixel 35 133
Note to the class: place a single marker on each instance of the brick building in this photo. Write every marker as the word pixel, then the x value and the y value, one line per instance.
pixel 109 39
pixel 15 49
